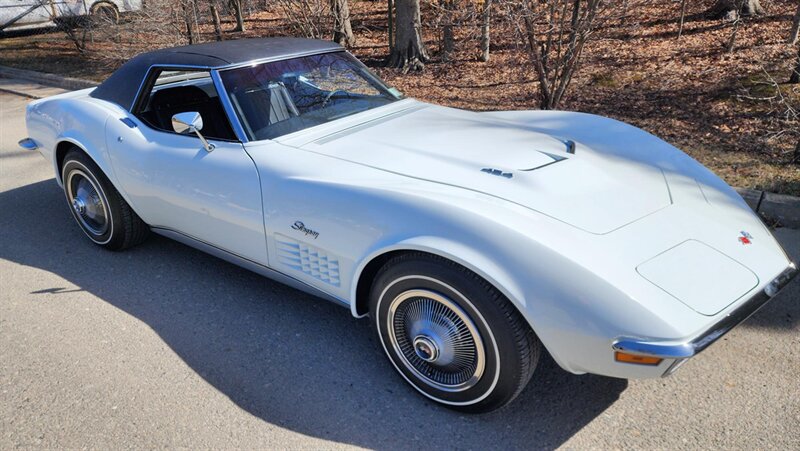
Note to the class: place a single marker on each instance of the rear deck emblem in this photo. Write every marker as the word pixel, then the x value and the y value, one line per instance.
pixel 745 238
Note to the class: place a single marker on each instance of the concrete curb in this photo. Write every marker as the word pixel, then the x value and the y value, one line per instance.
pixel 780 208
pixel 57 81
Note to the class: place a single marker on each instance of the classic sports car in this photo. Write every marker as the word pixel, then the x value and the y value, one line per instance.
pixel 473 241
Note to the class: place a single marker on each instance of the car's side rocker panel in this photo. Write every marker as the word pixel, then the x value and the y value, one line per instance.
pixel 247 264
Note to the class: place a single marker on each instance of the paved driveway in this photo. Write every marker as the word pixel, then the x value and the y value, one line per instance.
pixel 163 346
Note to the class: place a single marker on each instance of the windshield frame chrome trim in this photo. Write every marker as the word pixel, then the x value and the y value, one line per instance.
pixel 237 124
pixel 257 61
pixel 233 118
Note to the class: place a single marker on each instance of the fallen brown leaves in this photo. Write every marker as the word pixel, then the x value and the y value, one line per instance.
pixel 689 91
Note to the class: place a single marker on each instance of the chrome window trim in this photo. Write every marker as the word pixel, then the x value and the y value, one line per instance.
pixel 219 86
pixel 147 75
pixel 273 59
pixel 692 347
pixel 233 119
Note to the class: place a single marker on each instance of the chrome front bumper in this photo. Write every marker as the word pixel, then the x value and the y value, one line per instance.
pixel 681 350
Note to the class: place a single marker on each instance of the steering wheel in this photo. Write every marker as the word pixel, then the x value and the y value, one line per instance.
pixel 330 95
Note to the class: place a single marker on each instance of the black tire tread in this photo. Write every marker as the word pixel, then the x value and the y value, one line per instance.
pixel 529 347
pixel 134 230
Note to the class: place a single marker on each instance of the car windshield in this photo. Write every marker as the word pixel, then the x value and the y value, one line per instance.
pixel 278 98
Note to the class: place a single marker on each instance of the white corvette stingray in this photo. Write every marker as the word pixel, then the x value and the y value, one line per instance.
pixel 473 241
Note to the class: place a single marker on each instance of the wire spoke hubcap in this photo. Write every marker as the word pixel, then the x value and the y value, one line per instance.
pixel 87 203
pixel 436 340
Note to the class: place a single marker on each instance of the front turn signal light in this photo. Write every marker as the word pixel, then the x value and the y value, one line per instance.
pixel 637 359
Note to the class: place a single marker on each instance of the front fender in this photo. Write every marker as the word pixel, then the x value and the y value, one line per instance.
pixel 473 259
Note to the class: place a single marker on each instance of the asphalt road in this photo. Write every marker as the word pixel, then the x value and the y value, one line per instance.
pixel 164 346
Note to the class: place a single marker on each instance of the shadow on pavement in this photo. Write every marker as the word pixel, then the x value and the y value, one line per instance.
pixel 281 355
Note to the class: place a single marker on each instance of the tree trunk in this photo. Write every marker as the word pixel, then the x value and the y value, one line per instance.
pixel 217 22
pixel 729 9
pixel 408 52
pixel 236 6
pixel 447 30
pixel 732 40
pixel 795 27
pixel 682 19
pixel 795 77
pixel 624 15
pixel 796 153
pixel 487 17
pixel 390 19
pixel 342 30
pixel 188 20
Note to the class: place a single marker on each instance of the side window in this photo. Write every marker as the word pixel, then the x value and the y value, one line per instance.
pixel 183 91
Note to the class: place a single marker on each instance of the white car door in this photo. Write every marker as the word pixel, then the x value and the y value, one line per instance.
pixel 18 13
pixel 174 183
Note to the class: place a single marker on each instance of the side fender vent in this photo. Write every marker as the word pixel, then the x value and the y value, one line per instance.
pixel 308 260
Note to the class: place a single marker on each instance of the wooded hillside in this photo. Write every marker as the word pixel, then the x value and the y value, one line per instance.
pixel 712 77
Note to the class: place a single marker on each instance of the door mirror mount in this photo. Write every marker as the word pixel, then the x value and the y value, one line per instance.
pixel 191 122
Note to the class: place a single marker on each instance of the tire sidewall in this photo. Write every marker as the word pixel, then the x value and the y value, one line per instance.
pixel 75 161
pixel 501 375
pixel 491 371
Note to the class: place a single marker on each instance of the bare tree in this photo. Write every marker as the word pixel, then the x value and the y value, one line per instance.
pixel 390 20
pixel 448 9
pixel 163 23
pixel 737 22
pixel 486 18
pixel 342 30
pixel 238 14
pixel 189 20
pixel 784 114
pixel 795 77
pixel 308 18
pixel 555 33
pixel 214 10
pixel 408 52
pixel 793 35
pixel 682 18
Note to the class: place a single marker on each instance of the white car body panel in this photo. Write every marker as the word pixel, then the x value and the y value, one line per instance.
pixel 31 14
pixel 562 241
pixel 688 284
pixel 172 182
pixel 601 202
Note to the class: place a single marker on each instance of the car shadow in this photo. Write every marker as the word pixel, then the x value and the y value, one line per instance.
pixel 288 358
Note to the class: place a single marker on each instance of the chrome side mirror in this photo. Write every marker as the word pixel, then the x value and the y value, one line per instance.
pixel 191 122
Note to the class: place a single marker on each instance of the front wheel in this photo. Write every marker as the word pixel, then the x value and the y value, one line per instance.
pixel 450 334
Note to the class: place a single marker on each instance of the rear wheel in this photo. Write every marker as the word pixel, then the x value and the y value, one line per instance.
pixel 97 206
pixel 103 12
pixel 450 334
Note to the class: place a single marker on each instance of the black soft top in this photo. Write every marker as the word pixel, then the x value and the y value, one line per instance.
pixel 123 85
